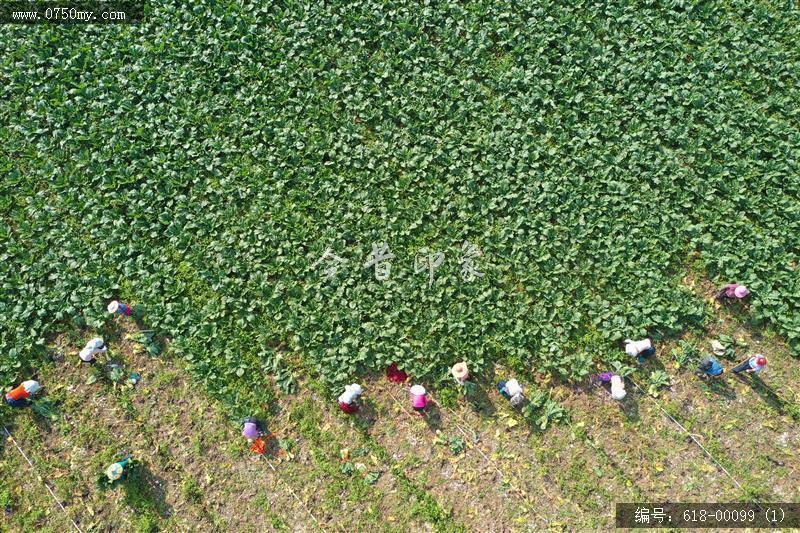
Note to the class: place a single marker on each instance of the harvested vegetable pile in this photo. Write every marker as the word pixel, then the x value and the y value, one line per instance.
pixel 201 163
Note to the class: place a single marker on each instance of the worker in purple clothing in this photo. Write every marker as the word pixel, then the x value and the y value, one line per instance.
pixel 733 291
pixel 250 430
pixel 753 365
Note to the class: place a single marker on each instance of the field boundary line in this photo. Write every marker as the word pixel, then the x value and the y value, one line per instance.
pixel 502 475
pixel 52 494
pixel 691 436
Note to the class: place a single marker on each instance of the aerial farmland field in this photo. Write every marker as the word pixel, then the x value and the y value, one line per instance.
pixel 292 196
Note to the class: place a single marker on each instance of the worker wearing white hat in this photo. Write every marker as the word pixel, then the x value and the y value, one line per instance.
pixel 641 350
pixel 347 400
pixel 93 347
pixel 512 390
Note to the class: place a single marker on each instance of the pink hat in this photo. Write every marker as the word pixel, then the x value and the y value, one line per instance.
pixel 741 291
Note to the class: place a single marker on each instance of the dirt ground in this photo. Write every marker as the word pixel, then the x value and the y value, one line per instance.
pixel 472 466
pixel 198 472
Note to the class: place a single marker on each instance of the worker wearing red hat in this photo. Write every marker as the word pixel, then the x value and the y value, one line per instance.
pixel 754 365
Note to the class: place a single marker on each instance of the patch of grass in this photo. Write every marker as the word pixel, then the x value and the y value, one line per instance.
pixel 423 506
pixel 793 410
pixel 324 448
pixel 581 484
pixel 198 446
pixel 277 521
pixel 191 490
pixel 124 399
pixel 140 495
pixel 145 522
pixel 6 502
pixel 448 397
pixel 165 379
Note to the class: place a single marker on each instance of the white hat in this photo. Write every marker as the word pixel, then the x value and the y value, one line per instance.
pixel 114 471
pixel 113 306
pixel 96 344
pixel 630 348
pixel 351 392
pixel 92 348
pixel 418 390
pixel 634 348
pixel 513 387
pixel 31 386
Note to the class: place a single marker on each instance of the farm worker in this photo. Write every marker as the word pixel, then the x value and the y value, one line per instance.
pixel 419 398
pixel 116 470
pixel 754 365
pixel 119 307
pixel 641 350
pixel 617 384
pixel 711 368
pixel 617 387
pixel 460 372
pixel 395 374
pixel 733 291
pixel 347 400
pixel 250 429
pixel 92 348
pixel 19 396
pixel 512 391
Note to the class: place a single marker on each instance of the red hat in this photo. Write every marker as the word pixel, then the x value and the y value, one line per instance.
pixel 761 360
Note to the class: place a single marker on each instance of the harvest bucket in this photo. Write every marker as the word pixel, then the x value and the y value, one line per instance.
pixel 119 307
pixel 259 446
pixel 418 397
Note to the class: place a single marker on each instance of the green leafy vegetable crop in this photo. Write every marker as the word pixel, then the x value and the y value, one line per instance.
pixel 200 163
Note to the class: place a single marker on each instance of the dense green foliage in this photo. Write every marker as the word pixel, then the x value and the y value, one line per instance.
pixel 201 162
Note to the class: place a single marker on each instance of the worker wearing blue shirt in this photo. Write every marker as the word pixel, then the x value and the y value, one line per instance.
pixel 710 367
